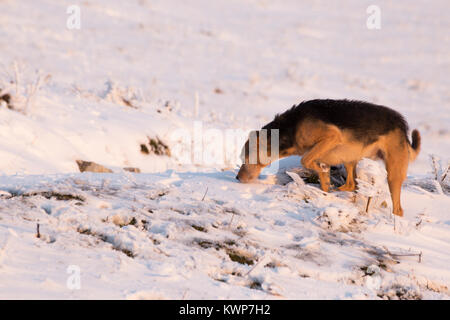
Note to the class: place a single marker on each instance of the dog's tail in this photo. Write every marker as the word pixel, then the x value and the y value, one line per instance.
pixel 414 147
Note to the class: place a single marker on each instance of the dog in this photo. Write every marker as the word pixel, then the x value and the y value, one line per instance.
pixel 329 132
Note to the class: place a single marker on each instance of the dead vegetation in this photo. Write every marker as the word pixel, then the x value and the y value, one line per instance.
pixel 104 238
pixel 340 220
pixel 127 97
pixel 230 248
pixel 89 166
pixel 400 292
pixel 16 93
pixel 337 176
pixel 5 100
pixel 50 195
pixel 240 257
pixel 274 264
pixel 199 228
pixel 155 146
pixel 153 195
pixel 439 182
pixel 256 284
pixel 123 223
pixel 132 169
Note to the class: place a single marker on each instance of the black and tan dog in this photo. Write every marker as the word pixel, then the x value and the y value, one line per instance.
pixel 333 132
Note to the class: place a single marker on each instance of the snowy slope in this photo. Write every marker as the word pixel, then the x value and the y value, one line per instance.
pixel 227 65
pixel 201 235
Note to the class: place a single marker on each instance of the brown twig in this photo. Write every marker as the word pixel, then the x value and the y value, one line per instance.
pixel 408 255
pixel 418 223
pixel 445 174
pixel 404 254
pixel 256 264
pixel 435 166
pixel 38 235
pixel 205 194
pixel 368 203
pixel 231 220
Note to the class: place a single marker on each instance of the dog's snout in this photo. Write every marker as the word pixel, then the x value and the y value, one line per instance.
pixel 237 177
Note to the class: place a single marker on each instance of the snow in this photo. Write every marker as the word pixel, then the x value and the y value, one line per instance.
pixel 141 70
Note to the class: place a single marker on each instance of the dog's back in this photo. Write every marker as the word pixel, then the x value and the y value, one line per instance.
pixel 367 121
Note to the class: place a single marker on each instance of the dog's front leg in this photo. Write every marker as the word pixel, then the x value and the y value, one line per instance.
pixel 350 184
pixel 322 170
pixel 331 137
pixel 324 176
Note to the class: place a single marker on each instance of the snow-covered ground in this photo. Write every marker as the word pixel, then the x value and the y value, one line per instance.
pixel 143 70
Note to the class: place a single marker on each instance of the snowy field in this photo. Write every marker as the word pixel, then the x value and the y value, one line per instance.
pixel 140 77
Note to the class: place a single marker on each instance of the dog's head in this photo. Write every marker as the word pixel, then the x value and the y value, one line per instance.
pixel 262 148
pixel 251 162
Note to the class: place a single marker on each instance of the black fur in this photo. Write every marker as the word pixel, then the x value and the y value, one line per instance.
pixel 415 139
pixel 367 121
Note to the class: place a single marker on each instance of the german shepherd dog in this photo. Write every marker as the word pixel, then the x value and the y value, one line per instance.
pixel 332 132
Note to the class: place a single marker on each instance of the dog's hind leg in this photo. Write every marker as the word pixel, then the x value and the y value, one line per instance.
pixel 397 159
pixel 350 184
